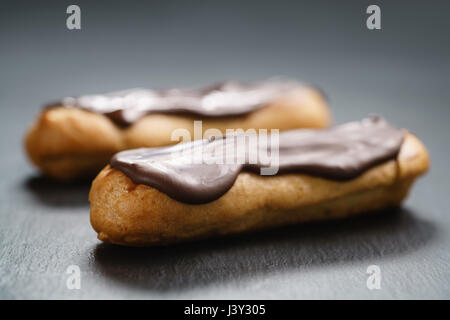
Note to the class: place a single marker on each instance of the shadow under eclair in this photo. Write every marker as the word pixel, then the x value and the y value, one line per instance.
pixel 184 266
pixel 59 194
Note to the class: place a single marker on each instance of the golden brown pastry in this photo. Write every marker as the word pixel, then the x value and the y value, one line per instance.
pixel 77 136
pixel 347 170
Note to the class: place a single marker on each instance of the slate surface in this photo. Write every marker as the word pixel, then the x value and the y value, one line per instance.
pixel 400 72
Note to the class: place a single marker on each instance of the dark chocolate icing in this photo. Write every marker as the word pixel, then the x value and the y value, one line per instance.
pixel 339 153
pixel 223 99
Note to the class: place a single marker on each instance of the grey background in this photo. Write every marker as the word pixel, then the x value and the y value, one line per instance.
pixel 400 72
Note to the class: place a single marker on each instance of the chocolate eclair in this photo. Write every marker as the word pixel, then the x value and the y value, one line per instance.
pixel 76 136
pixel 154 196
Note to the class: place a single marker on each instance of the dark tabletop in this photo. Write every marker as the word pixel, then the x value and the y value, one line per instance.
pixel 401 72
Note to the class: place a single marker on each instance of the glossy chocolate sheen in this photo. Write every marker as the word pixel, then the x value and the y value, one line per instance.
pixel 224 99
pixel 189 172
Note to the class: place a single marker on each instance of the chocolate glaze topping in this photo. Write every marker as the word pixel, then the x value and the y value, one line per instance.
pixel 223 99
pixel 339 153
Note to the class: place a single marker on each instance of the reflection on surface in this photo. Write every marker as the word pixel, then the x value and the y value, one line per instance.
pixel 190 265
